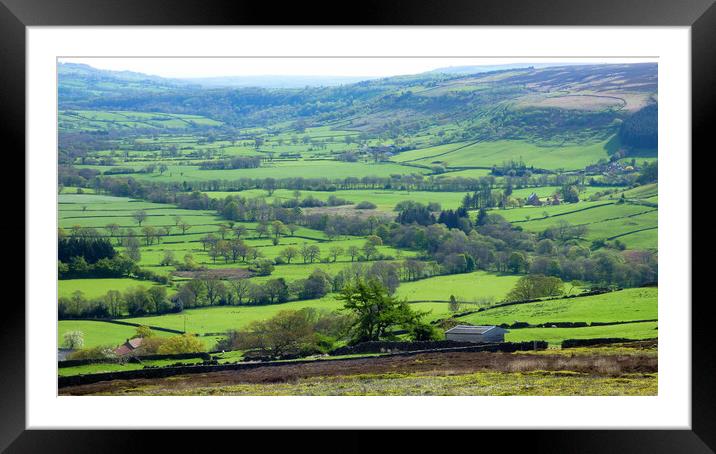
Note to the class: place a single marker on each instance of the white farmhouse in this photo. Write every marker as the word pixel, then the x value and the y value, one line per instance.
pixel 477 334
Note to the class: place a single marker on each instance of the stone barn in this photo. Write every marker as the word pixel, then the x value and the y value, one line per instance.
pixel 476 334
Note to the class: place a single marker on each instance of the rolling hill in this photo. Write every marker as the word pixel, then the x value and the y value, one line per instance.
pixel 556 104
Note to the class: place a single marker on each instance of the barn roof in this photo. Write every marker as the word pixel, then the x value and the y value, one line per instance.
pixel 467 329
pixel 127 347
pixel 136 342
pixel 122 350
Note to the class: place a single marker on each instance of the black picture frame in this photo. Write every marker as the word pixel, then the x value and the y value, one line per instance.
pixel 16 15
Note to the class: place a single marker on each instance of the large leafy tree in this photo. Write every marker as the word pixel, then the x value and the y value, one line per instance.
pixel 376 311
pixel 536 286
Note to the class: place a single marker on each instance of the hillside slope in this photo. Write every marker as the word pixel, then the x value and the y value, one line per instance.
pixel 573 103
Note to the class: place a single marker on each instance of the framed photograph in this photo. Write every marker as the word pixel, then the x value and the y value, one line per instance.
pixel 438 216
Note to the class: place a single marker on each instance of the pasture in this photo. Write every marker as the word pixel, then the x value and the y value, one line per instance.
pixel 220 319
pixel 95 288
pixel 497 137
pixel 92 210
pixel 621 306
pixel 277 169
pixel 98 211
pixel 635 331
pixel 312 154
pixel 92 120
pixel 603 219
pixel 385 200
pixel 489 153
pixel 467 287
pixel 97 333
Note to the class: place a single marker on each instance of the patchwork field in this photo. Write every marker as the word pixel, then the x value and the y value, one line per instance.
pixel 384 199
pixel 622 306
pixel 90 120
pixel 601 217
pixel 487 154
pixel 604 220
pixel 87 210
pixel 277 169
pixel 323 173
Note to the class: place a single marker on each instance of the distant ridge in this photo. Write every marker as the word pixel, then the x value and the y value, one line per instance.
pixel 275 81
pixel 81 69
pixel 476 69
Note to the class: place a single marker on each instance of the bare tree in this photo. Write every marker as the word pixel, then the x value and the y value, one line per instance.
pixel 112 229
pixel 353 251
pixel 184 227
pixel 140 216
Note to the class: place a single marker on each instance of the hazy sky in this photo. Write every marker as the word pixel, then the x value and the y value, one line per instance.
pixel 362 67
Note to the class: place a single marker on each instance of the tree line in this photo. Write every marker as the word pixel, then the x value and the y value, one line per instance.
pixel 156 191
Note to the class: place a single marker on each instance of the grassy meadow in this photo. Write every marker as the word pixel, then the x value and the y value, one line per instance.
pixel 97 333
pixel 645 330
pixel 489 153
pixel 623 306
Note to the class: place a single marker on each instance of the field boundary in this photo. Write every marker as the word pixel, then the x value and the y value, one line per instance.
pixel 572 343
pixel 122 322
pixel 163 372
pixel 525 325
pixel 565 213
pixel 629 233
pixel 443 153
pixel 536 300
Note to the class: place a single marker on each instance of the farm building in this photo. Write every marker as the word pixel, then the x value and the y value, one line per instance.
pixel 129 346
pixel 534 200
pixel 477 334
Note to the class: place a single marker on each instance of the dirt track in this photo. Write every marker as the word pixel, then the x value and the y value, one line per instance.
pixel 428 364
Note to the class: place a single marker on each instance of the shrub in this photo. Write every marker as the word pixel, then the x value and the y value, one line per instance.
pixel 185 343
pixel 448 323
pixel 99 352
pixel 151 345
pixel 423 332
pixel 365 205
pixel 262 267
